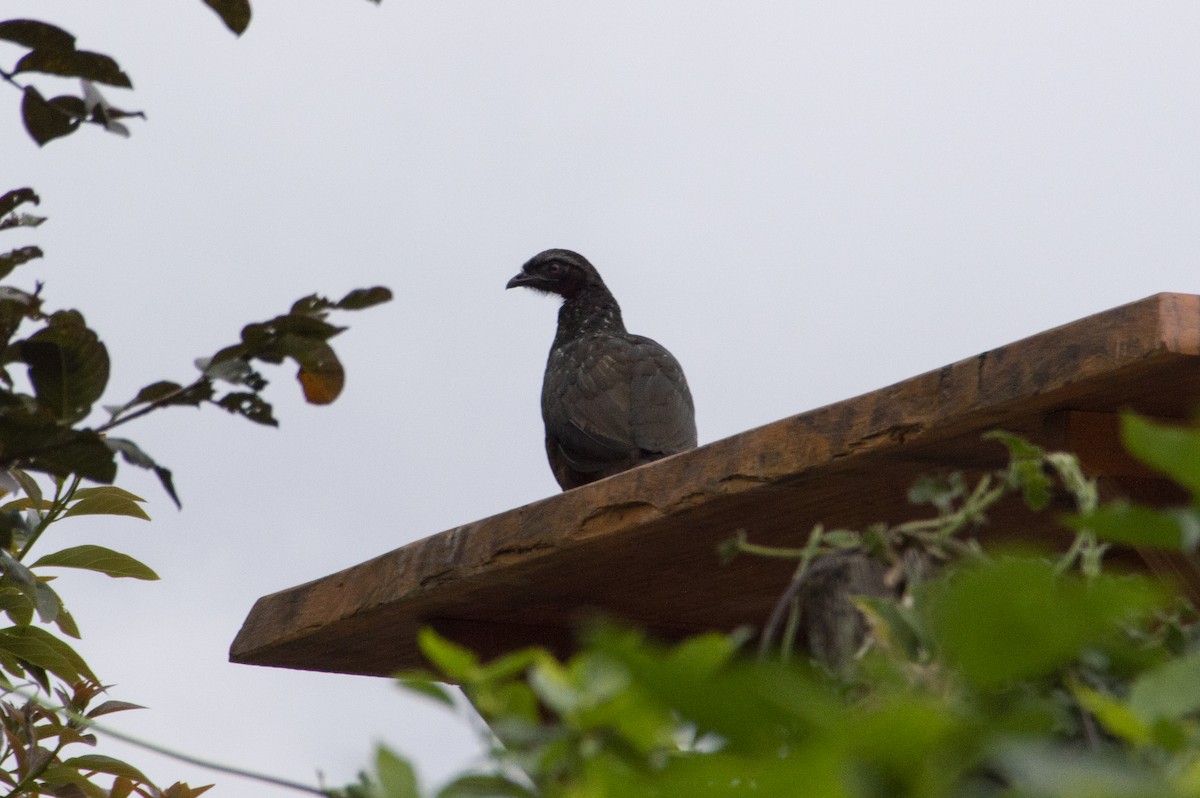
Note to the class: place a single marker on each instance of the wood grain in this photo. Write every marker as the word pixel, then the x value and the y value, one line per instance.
pixel 642 545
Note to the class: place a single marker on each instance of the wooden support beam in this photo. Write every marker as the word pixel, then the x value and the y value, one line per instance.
pixel 642 545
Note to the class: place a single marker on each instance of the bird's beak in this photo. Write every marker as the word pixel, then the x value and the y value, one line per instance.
pixel 521 279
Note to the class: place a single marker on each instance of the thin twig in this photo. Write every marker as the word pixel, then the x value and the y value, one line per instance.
pixel 204 763
pixel 1090 733
pixel 21 786
pixel 89 723
pixel 8 78
pixel 790 597
pixel 781 607
pixel 150 407
pixel 57 506
pixel 787 643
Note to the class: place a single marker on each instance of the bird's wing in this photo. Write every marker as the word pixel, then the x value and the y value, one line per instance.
pixel 616 398
pixel 585 403
pixel 662 417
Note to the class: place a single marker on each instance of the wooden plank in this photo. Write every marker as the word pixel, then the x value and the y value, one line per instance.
pixel 642 545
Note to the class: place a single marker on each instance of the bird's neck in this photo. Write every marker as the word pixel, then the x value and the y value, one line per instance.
pixel 591 310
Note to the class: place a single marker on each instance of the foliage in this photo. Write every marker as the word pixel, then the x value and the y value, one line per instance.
pixel 53 372
pixel 68 365
pixel 984 673
pixel 48 693
pixel 47 49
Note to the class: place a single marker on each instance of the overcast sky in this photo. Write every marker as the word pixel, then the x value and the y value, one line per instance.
pixel 803 201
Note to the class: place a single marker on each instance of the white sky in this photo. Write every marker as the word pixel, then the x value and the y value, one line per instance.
pixel 803 201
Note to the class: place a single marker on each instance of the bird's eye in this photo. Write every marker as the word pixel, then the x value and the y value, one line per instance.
pixel 554 267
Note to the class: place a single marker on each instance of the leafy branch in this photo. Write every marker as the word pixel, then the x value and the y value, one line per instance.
pixel 1031 471
pixel 68 369
pixel 54 370
pixel 50 50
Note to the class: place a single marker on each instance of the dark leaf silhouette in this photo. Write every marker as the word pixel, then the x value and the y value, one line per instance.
pixel 75 64
pixel 17 197
pixel 234 13
pixel 36 35
pixel 364 298
pixel 68 365
pixel 133 454
pixel 13 259
pixel 43 121
pixel 249 405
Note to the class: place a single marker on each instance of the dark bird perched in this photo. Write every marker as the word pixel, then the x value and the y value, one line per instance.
pixel 610 400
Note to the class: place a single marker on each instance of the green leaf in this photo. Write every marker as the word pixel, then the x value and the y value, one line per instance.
pixel 107 490
pixel 23 504
pixel 98 763
pixel 1171 690
pixel 42 120
pixel 1018 448
pixel 48 604
pixel 704 654
pixel 451 659
pixel 98 558
pixel 67 782
pixel 28 484
pixel 109 707
pixel 74 64
pixel 396 775
pixel 38 647
pixel 991 619
pixel 1043 769
pixel 1135 525
pixel 483 786
pixel 12 522
pixel 422 684
pixel 554 686
pixel 507 702
pixel 515 664
pixel 18 575
pixel 1025 468
pixel 890 625
pixel 938 491
pixel 66 624
pixel 106 505
pixel 37 36
pixel 1115 716
pixel 68 365
pixel 234 13
pixel 1171 449
pixel 17 604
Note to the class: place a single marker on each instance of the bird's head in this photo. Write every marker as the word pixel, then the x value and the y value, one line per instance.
pixel 557 271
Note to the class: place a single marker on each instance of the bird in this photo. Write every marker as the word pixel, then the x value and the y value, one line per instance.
pixel 611 400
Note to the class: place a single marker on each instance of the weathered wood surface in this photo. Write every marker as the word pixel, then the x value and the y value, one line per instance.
pixel 642 545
